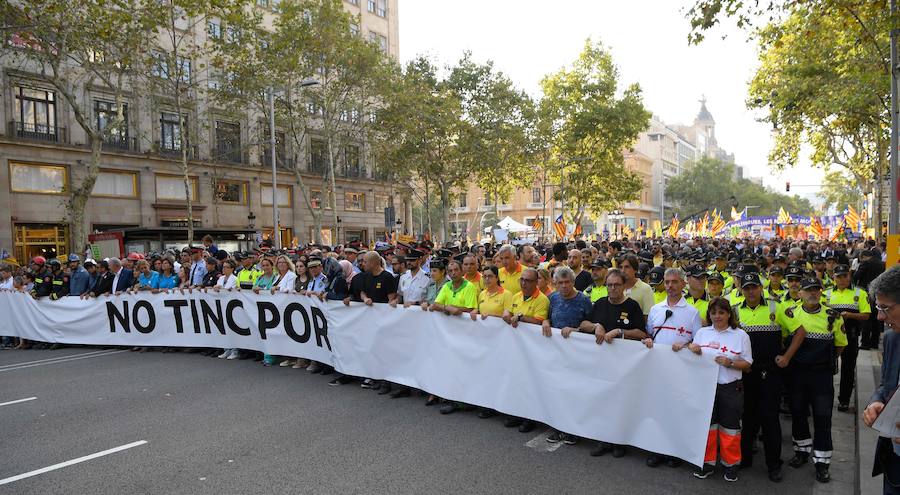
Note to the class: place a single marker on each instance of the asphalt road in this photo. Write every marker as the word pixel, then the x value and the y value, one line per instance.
pixel 216 426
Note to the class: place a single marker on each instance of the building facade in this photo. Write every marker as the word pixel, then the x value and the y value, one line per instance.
pixel 140 191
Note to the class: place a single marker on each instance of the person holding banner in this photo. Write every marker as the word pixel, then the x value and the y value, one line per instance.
pixel 494 300
pixel 671 322
pixel 731 349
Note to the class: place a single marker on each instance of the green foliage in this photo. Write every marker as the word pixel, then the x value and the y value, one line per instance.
pixel 840 190
pixel 710 183
pixel 588 125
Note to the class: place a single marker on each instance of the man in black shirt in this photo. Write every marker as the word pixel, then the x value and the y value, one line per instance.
pixel 378 286
pixel 582 277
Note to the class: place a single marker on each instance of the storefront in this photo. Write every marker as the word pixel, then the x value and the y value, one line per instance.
pixel 40 239
pixel 158 239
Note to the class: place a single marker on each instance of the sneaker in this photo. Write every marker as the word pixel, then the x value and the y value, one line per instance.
pixel 314 367
pixel 618 451
pixel 287 362
pixel 569 439
pixel 731 474
pixel 526 426
pixel 448 408
pixel 704 471
pixel 601 449
pixel 822 475
pixel 842 407
pixel 367 383
pixel 486 413
pixel 673 462
pixel 384 388
pixel 401 392
pixel 512 422
pixel 300 364
pixel 555 437
pixel 225 354
pixel 654 460
pixel 775 475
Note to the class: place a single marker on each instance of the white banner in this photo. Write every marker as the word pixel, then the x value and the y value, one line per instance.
pixel 623 393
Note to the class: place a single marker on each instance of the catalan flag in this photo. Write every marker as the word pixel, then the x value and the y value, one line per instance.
pixel 536 224
pixel 578 230
pixel 735 216
pixel 718 224
pixel 626 231
pixel 673 227
pixel 559 226
pixel 815 227
pixel 851 218
pixel 784 218
pixel 838 230
pixel 703 225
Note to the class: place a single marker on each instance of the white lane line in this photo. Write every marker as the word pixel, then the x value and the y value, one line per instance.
pixel 541 444
pixel 61 465
pixel 67 360
pixel 12 365
pixel 17 401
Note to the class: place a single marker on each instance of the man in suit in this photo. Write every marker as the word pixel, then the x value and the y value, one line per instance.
pixel 103 284
pixel 886 289
pixel 123 278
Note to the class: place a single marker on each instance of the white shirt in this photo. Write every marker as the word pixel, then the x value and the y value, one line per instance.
pixel 115 281
pixel 229 283
pixel 413 287
pixel 286 284
pixel 733 343
pixel 679 327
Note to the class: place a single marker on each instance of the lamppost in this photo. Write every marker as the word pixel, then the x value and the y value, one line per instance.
pixel 615 217
pixel 276 223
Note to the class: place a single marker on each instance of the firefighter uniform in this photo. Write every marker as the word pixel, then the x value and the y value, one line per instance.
pixel 763 384
pixel 810 380
pixel 60 286
pixel 852 300
pixel 43 283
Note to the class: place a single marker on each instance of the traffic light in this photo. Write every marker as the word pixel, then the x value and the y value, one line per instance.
pixel 787 186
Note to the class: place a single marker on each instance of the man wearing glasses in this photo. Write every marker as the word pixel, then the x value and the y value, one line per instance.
pixel 530 305
pixel 886 289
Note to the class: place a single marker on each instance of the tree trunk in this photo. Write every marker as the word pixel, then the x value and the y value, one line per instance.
pixel 880 167
pixel 81 194
pixel 445 209
pixel 186 176
pixel 426 221
pixel 333 187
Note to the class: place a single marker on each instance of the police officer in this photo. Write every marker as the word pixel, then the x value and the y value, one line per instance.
pixel 696 290
pixel 655 280
pixel 597 289
pixel 853 304
pixel 60 282
pixel 763 384
pixel 815 337
pixel 776 286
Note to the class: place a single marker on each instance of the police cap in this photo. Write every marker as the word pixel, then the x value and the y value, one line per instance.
pixel 750 279
pixel 841 270
pixel 794 272
pixel 810 283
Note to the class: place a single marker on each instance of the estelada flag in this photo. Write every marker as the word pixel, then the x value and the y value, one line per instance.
pixel 815 227
pixel 851 218
pixel 559 226
pixel 783 217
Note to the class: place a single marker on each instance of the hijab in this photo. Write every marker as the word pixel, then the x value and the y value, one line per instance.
pixel 347 268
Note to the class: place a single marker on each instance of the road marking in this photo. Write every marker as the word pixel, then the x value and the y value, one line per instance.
pixel 64 360
pixel 17 401
pixel 61 465
pixel 541 444
pixel 53 358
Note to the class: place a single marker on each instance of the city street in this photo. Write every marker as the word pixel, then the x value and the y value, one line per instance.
pixel 216 426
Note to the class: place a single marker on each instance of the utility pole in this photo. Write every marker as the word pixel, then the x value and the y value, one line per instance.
pixel 894 216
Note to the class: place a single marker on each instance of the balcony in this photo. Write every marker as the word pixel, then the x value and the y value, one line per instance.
pixel 227 155
pixel 175 152
pixel 352 172
pixel 37 132
pixel 121 143
pixel 265 160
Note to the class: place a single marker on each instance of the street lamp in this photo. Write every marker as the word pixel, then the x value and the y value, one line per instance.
pixel 276 224
pixel 616 216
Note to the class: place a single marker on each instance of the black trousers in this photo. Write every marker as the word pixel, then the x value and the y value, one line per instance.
pixel 887 463
pixel 848 362
pixel 811 389
pixel 871 331
pixel 762 397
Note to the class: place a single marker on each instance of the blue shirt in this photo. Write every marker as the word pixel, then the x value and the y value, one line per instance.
pixel 198 271
pixel 168 282
pixel 569 312
pixel 80 282
pixel 149 282
pixel 319 284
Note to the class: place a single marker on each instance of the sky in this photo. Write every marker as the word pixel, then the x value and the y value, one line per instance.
pixel 527 39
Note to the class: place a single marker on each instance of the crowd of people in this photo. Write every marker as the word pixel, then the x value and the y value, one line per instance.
pixel 779 317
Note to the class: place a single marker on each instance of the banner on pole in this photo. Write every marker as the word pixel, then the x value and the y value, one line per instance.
pixel 622 393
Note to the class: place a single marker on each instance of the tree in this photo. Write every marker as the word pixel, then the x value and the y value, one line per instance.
pixel 175 73
pixel 839 190
pixel 709 183
pixel 76 45
pixel 589 126
pixel 312 40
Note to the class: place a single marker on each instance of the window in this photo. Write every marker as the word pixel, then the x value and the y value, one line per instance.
pixel 284 195
pixel 354 29
pixel 318 156
pixel 371 6
pixel 382 201
pixel 266 149
pixel 352 166
pixel 171 188
pixel 107 114
pixel 359 235
pixel 228 142
pixel 262 3
pixel 536 195
pixel 44 179
pixel 231 192
pixel 170 132
pixel 232 34
pixel 116 184
pixel 488 201
pixel 379 39
pixel 37 111
pixel 163 69
pixel 381 8
pixel 354 2
pixel 463 200
pixel 214 29
pixel 354 201
pixel 315 198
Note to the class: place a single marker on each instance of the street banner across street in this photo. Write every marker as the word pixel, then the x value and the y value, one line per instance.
pixel 623 393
